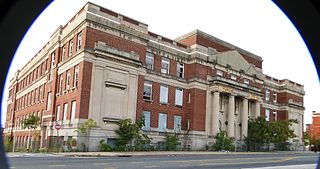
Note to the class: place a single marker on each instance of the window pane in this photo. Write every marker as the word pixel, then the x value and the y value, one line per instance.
pixel 58 113
pixel 73 110
pixel 179 95
pixel 65 110
pixel 177 124
pixel 267 114
pixel 165 66
pixel 162 123
pixel 163 94
pixel 146 120
pixel 147 91
pixel 149 61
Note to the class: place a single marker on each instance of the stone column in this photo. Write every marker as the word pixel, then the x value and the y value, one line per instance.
pixel 215 113
pixel 230 130
pixel 244 119
pixel 257 111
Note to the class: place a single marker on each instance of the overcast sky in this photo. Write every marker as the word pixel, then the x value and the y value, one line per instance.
pixel 258 26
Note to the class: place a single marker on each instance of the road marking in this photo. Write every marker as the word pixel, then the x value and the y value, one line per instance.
pixel 57 165
pixel 250 162
pixel 138 162
pixel 100 163
pixel 151 166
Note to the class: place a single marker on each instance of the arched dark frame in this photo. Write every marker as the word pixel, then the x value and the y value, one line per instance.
pixel 303 13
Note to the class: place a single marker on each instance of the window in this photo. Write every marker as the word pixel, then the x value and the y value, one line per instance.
pixel 219 73
pixel 79 41
pixel 246 81
pixel 267 95
pixel 275 116
pixel 41 95
pixel 60 84
pixel 233 77
pixel 149 61
pixel 267 114
pixel 146 115
pixel 68 80
pixel 147 91
pixel 165 66
pixel 76 77
pixel 179 96
pixel 180 70
pixel 58 113
pixel 163 93
pixel 70 47
pixel 65 111
pixel 275 97
pixel 63 53
pixel 162 123
pixel 73 109
pixel 49 100
pixel 52 59
pixel 177 124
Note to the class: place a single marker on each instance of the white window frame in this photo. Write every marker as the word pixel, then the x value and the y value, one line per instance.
pixel 73 109
pixel 180 70
pixel 219 73
pixel 58 113
pixel 179 94
pixel 275 96
pixel 49 101
pixel 53 59
pixel 63 53
pixel 267 114
pixel 162 123
pixel 68 80
pixel 147 96
pixel 246 81
pixel 164 90
pixel 275 115
pixel 267 95
pixel 76 77
pixel 70 47
pixel 79 43
pixel 65 111
pixel 147 118
pixel 150 65
pixel 177 120
pixel 165 61
pixel 233 77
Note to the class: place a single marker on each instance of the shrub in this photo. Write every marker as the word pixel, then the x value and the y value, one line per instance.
pixel 171 141
pixel 222 142
pixel 104 147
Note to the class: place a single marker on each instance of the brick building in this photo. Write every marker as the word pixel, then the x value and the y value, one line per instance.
pixel 314 129
pixel 106 66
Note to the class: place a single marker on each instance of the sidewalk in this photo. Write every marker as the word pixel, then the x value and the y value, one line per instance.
pixel 168 153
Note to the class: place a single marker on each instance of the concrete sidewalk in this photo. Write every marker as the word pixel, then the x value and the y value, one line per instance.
pixel 168 153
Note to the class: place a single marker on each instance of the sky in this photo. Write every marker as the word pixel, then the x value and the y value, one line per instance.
pixel 258 26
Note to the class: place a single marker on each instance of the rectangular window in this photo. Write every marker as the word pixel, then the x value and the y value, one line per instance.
pixel 147 90
pixel 68 80
pixel 60 84
pixel 267 114
pixel 150 61
pixel 177 124
pixel 275 116
pixel 49 100
pixel 165 65
pixel 179 96
pixel 267 95
pixel 180 70
pixel 163 93
pixel 73 109
pixel 52 60
pixel 79 41
pixel 40 92
pixel 162 123
pixel 146 115
pixel 246 81
pixel 70 47
pixel 65 111
pixel 219 73
pixel 58 113
pixel 63 53
pixel 76 77
pixel 233 77
pixel 275 97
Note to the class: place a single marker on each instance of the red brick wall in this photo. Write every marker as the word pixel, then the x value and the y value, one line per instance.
pixel 85 86
pixel 197 70
pixel 282 115
pixel 197 109
pixel 283 97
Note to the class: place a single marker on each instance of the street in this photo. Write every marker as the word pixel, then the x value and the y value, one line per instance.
pixel 227 160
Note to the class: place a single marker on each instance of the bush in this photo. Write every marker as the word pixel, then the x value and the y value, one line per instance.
pixel 222 142
pixel 104 147
pixel 7 144
pixel 171 141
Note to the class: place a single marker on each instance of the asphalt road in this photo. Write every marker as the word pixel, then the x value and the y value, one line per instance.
pixel 227 161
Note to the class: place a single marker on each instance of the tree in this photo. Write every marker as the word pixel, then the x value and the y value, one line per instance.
pixel 222 142
pixel 32 122
pixel 129 133
pixel 85 129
